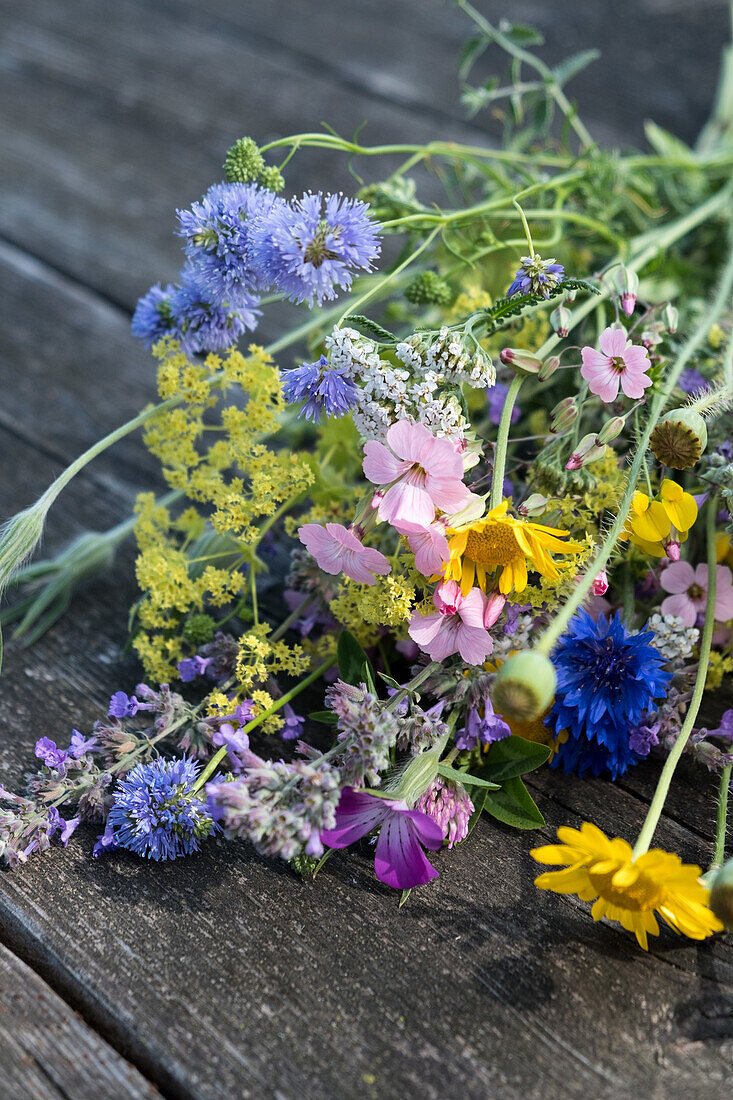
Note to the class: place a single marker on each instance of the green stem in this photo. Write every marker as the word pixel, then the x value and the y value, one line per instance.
pixel 660 795
pixel 502 441
pixel 276 706
pixel 415 682
pixel 366 297
pixel 560 622
pixel 292 617
pixel 721 825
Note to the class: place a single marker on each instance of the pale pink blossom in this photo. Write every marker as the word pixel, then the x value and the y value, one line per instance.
pixel 423 472
pixel 428 544
pixel 338 550
pixel 618 363
pixel 457 626
pixel 600 584
pixel 689 591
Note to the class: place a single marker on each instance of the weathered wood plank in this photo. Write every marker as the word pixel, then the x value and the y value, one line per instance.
pixel 47 1051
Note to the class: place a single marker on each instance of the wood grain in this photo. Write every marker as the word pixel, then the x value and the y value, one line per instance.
pixel 47 1052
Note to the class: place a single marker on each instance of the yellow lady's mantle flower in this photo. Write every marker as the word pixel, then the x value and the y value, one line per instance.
pixel 499 541
pixel 601 870
pixel 653 523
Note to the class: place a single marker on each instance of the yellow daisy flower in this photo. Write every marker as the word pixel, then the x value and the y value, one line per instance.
pixel 499 541
pixel 652 523
pixel 602 871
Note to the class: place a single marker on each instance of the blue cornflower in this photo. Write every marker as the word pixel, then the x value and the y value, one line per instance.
pixel 217 232
pixel 323 390
pixel 536 276
pixel 155 812
pixel 152 318
pixel 202 325
pixel 607 678
pixel 312 245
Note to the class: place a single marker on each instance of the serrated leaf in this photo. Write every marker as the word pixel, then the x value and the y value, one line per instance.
pixel 351 659
pixel 466 778
pixel 367 327
pixel 574 64
pixel 514 805
pixel 327 717
pixel 511 757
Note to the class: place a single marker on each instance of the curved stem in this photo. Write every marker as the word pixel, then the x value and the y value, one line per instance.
pixel 502 440
pixel 390 277
pixel 721 823
pixel 560 622
pixel 660 795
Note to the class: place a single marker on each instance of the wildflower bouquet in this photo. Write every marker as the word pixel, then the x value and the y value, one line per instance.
pixel 490 507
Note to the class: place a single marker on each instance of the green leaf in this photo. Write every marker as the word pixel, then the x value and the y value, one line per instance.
pixel 465 777
pixel 522 35
pixel 479 800
pixel 326 716
pixel 574 64
pixel 666 144
pixel 514 805
pixel 512 757
pixel 404 896
pixel 390 681
pixel 367 327
pixel 351 659
pixel 470 52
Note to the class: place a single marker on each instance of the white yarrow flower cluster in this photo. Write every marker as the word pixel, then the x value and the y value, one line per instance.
pixel 673 640
pixel 424 389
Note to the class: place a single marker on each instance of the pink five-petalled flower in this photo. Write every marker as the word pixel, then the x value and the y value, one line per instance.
pixel 338 550
pixel 428 544
pixel 399 859
pixel 457 626
pixel 618 363
pixel 423 472
pixel 688 588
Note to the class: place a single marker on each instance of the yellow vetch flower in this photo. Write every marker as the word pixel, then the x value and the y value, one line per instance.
pixel 601 870
pixel 651 523
pixel 499 541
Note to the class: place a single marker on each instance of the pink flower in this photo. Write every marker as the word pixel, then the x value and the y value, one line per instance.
pixel 456 627
pixel 339 551
pixel 423 471
pixel 618 363
pixel 689 588
pixel 600 584
pixel 399 859
pixel 428 544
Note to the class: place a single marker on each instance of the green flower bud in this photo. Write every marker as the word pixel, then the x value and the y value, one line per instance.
pixel 428 288
pixel 534 505
pixel 548 368
pixel 563 416
pixel 560 320
pixel 243 162
pixel 304 865
pixel 524 686
pixel 721 893
pixel 679 439
pixel 587 451
pixel 198 629
pixel 611 429
pixel 521 360
pixel 271 178
pixel 671 318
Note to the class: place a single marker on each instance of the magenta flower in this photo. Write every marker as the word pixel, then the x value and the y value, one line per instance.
pixel 689 591
pixel 428 544
pixel 399 860
pixel 338 550
pixel 457 626
pixel 423 472
pixel 618 363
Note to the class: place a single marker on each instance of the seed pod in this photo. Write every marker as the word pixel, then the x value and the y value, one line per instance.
pixel 524 686
pixel 679 439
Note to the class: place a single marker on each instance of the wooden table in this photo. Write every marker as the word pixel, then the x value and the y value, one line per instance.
pixel 224 975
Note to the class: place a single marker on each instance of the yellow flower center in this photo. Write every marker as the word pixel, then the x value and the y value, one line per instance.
pixel 641 895
pixel 493 545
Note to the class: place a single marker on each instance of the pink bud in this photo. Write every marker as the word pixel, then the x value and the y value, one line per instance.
pixel 600 584
pixel 672 550
pixel 494 607
pixel 628 301
pixel 521 360
pixel 377 498
pixel 588 450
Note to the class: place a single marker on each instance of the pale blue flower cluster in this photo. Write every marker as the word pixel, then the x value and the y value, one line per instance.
pixel 242 240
